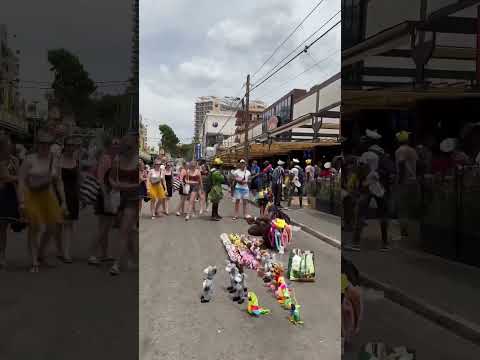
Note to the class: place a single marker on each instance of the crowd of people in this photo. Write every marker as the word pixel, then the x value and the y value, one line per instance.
pixel 391 183
pixel 44 193
pixel 198 182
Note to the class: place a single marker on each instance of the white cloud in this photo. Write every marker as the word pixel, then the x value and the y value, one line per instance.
pixel 212 52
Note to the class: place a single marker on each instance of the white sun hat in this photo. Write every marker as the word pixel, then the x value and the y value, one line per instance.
pixel 448 145
pixel 373 134
pixel 327 165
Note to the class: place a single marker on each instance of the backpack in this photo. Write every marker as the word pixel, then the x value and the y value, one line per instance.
pixel 301 175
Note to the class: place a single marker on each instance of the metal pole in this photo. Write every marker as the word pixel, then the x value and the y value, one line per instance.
pixel 478 46
pixel 247 120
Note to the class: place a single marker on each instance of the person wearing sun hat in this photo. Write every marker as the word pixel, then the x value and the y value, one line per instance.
pixel 39 177
pixel 216 192
pixel 241 191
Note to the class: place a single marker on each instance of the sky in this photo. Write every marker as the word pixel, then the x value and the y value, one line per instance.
pixel 98 32
pixel 198 48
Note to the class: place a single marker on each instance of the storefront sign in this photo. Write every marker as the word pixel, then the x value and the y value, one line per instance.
pixel 272 123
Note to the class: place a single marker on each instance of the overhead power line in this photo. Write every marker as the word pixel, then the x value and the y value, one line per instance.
pixel 296 56
pixel 288 37
pixel 299 46
pixel 317 63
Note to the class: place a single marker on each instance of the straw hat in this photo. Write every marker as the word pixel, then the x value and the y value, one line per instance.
pixel 218 161
pixel 308 161
pixel 402 136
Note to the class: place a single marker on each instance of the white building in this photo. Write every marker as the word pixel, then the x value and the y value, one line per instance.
pixel 206 104
pixel 11 107
pixel 216 127
pixel 324 101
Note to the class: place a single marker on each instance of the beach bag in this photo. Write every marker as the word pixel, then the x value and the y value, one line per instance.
pixel 177 184
pixel 38 183
pixel 89 189
pixel 112 198
pixel 301 265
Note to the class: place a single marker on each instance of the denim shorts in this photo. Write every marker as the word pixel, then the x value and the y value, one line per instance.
pixel 240 194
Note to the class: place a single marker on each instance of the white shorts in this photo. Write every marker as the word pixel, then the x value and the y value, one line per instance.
pixel 240 194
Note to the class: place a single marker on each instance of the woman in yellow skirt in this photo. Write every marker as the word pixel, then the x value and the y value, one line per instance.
pixel 39 184
pixel 156 188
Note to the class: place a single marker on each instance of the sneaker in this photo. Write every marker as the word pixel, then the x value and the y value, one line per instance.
pixel 92 260
pixel 115 270
pixel 187 217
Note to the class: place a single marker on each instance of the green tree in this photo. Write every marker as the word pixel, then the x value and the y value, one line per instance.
pixel 185 151
pixel 169 139
pixel 72 85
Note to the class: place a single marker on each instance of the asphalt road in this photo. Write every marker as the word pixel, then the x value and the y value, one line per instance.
pixel 395 325
pixel 175 325
pixel 73 312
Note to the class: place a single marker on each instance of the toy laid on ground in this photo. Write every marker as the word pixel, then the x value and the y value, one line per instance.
pixel 301 265
pixel 231 250
pixel 295 311
pixel 210 273
pixel 266 270
pixel 280 235
pixel 239 280
pixel 295 315
pixel 283 293
pixel 253 308
pixel 232 271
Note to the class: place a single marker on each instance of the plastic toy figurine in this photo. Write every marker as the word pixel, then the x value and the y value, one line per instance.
pixel 295 315
pixel 210 273
pixel 253 308
pixel 232 270
pixel 282 293
pixel 239 288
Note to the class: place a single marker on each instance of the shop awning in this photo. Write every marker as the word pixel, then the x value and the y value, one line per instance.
pixel 257 151
pixel 400 98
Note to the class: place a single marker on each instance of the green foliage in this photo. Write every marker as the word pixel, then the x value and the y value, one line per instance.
pixel 72 85
pixel 185 151
pixel 169 139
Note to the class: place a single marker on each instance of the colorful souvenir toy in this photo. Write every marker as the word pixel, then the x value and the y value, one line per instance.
pixel 295 312
pixel 239 288
pixel 210 273
pixel 253 308
pixel 282 293
pixel 295 315
pixel 232 270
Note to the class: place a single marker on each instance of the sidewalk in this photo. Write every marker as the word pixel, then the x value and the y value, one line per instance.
pixel 443 291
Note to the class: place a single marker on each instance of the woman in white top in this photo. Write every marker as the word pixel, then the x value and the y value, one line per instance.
pixel 241 191
pixel 39 184
pixel 157 187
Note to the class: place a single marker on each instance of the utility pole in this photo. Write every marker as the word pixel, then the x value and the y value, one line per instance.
pixel 247 120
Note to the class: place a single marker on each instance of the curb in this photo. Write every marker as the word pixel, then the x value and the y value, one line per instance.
pixel 451 322
pixel 327 239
